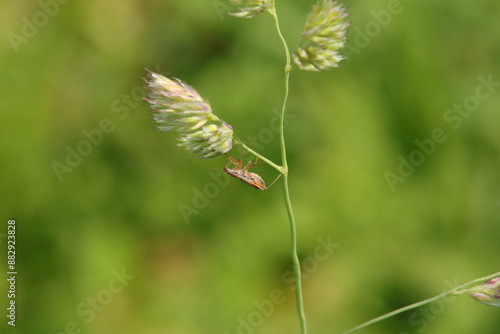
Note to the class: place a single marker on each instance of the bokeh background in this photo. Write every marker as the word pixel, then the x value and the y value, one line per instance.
pixel 118 209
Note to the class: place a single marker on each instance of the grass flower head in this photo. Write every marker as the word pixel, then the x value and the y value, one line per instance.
pixel 487 293
pixel 323 37
pixel 177 107
pixel 250 8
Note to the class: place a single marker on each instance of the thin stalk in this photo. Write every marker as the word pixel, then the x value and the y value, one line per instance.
pixel 286 192
pixel 280 169
pixel 455 291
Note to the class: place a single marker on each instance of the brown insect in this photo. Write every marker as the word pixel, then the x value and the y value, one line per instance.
pixel 242 173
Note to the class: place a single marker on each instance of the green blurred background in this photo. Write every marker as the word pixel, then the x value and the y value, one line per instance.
pixel 118 209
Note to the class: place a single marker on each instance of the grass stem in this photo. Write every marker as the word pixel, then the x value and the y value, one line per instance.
pixel 286 192
pixel 453 292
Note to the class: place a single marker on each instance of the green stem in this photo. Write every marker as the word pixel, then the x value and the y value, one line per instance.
pixel 295 258
pixel 455 291
pixel 280 169
pixel 286 192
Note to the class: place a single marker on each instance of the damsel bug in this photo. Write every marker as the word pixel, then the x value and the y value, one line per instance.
pixel 242 173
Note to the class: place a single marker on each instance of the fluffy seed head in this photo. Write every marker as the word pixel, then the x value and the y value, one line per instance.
pixel 323 37
pixel 208 142
pixel 177 107
pixel 487 293
pixel 249 8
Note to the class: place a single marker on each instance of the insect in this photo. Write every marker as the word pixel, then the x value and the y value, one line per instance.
pixel 242 173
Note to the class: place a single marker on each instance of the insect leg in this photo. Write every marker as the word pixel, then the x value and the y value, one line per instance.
pixel 233 161
pixel 239 159
pixel 276 179
pixel 249 164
